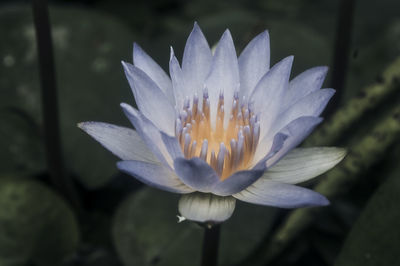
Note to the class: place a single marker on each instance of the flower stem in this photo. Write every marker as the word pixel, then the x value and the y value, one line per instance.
pixel 210 245
pixel 59 179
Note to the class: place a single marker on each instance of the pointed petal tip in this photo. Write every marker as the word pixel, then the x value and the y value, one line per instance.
pixel 81 125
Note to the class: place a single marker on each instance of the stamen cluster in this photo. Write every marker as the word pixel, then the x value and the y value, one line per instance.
pixel 226 148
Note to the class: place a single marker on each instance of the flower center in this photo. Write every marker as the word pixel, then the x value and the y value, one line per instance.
pixel 226 149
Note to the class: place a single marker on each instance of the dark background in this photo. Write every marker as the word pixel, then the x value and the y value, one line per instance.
pixel 117 221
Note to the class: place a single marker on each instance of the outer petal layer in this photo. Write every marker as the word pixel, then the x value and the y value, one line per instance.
pixel 149 133
pixel 153 70
pixel 272 193
pixel 154 175
pixel 302 164
pixel 196 173
pixel 205 207
pixel 151 101
pixel 121 141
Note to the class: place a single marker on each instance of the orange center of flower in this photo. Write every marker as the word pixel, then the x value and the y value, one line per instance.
pixel 226 149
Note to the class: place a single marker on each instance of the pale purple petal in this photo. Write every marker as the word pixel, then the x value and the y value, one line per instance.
pixel 154 175
pixel 302 164
pixel 311 105
pixel 272 193
pixel 305 83
pixel 149 133
pixel 196 61
pixel 121 141
pixel 223 76
pixel 172 145
pixel 143 61
pixel 237 182
pixel 151 101
pixel 277 143
pixel 267 97
pixel 178 81
pixel 296 131
pixel 196 173
pixel 254 62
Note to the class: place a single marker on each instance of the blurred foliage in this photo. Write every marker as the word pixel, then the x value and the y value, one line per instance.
pixel 36 224
pixel 121 225
pixel 375 236
pixel 88 50
pixel 146 232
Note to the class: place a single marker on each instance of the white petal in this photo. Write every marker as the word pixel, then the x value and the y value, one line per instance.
pixel 151 101
pixel 272 193
pixel 121 141
pixel 305 83
pixel 223 77
pixel 253 63
pixel 205 207
pixel 196 61
pixel 149 133
pixel 155 175
pixel 153 70
pixel 267 97
pixel 302 164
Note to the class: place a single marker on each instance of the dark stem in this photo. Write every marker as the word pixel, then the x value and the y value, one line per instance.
pixel 50 104
pixel 341 50
pixel 210 246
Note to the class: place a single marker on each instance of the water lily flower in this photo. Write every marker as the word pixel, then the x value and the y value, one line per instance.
pixel 221 128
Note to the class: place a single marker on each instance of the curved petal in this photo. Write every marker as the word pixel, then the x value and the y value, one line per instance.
pixel 253 63
pixel 151 101
pixel 143 61
pixel 196 61
pixel 296 131
pixel 223 77
pixel 267 97
pixel 302 164
pixel 121 141
pixel 172 145
pixel 236 182
pixel 305 83
pixel 311 105
pixel 196 173
pixel 149 133
pixel 206 208
pixel 154 175
pixel 178 81
pixel 272 193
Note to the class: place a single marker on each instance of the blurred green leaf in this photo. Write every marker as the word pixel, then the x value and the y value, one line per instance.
pixel 145 231
pixel 21 143
pixel 36 224
pixel 375 237
pixel 88 47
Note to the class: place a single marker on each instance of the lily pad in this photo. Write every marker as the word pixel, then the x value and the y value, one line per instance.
pixel 36 224
pixel 88 50
pixel 146 232
pixel 375 237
